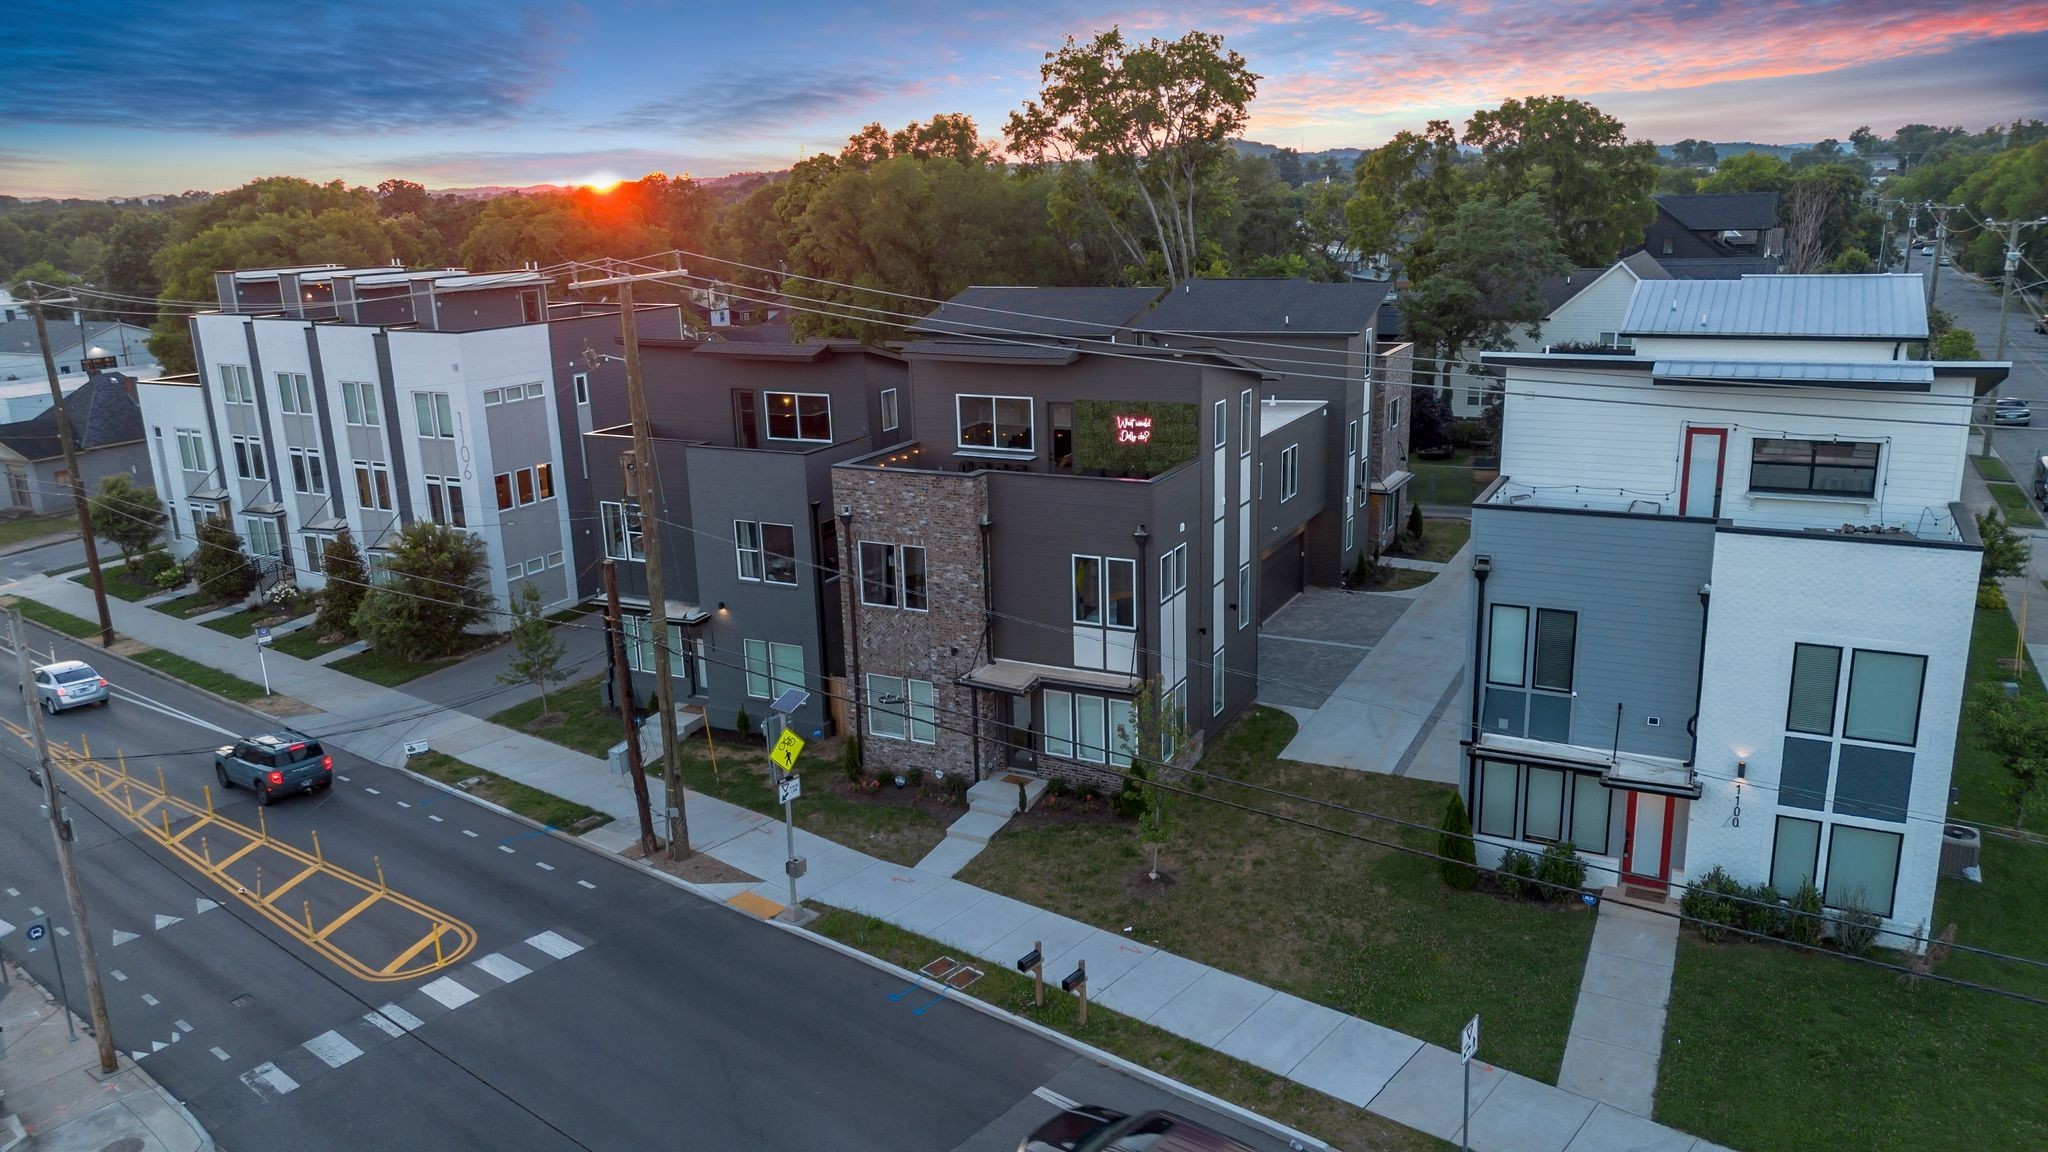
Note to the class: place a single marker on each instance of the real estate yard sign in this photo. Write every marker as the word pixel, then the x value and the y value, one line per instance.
pixel 1143 439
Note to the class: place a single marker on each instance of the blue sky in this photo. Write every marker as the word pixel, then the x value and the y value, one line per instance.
pixel 104 99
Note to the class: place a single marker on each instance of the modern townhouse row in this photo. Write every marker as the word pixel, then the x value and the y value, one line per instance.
pixel 1725 591
pixel 973 548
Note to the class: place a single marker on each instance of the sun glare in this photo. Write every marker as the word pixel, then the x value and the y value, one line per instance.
pixel 601 182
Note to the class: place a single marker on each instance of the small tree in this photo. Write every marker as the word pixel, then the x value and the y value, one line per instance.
pixel 218 565
pixel 1956 344
pixel 2015 730
pixel 1160 742
pixel 346 582
pixel 743 723
pixel 437 591
pixel 538 652
pixel 1415 522
pixel 129 514
pixel 1460 863
pixel 2005 551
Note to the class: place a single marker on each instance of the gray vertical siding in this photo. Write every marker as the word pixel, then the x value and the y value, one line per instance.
pixel 1634 582
pixel 387 387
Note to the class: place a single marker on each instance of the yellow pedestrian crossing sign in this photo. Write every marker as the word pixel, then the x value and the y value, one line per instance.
pixel 786 749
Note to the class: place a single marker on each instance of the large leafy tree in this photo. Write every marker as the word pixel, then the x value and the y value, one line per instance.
pixel 342 565
pixel 438 588
pixel 1592 181
pixel 1749 172
pixel 1822 211
pixel 1138 133
pixel 129 514
pixel 1483 277
pixel 1404 191
pixel 219 567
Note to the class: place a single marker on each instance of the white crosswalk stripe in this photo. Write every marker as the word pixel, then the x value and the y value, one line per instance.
pixel 332 1048
pixel 449 993
pixel 400 1017
pixel 503 967
pixel 557 946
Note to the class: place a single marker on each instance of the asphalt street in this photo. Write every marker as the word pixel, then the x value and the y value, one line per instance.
pixel 599 1007
pixel 1974 305
pixel 68 554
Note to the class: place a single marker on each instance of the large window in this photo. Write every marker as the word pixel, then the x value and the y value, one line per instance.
pixel 263 536
pixel 1290 472
pixel 901 708
pixel 294 394
pixel 359 403
pixel 1884 697
pixel 622 534
pixel 309 475
pixel 249 462
pixel 1094 729
pixel 1106 591
pixel 998 422
pixel 234 384
pixel 767 552
pixel 1813 467
pixel 191 450
pixel 893 576
pixel 1173 573
pixel 444 501
pixel 434 414
pixel 1816 674
pixel 1507 644
pixel 1556 632
pixel 773 669
pixel 1863 868
pixel 1542 805
pixel 800 416
pixel 1795 852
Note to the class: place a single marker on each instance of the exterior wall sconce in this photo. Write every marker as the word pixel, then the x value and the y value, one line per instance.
pixel 1741 778
pixel 721 607
pixel 1741 771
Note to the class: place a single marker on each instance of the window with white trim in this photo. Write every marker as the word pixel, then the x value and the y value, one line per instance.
pixel 1245 432
pixel 582 382
pixel 294 394
pixel 1173 572
pixel 434 415
pixel 800 416
pixel 316 551
pixel 767 552
pixel 890 416
pixel 191 450
pixel 263 537
pixel 359 403
pixel 902 708
pixel 444 501
pixel 1221 418
pixel 622 531
pixel 893 576
pixel 1106 592
pixel 1244 595
pixel 1290 472
pixel 234 384
pixel 249 463
pixel 773 668
pixel 998 423
pixel 309 475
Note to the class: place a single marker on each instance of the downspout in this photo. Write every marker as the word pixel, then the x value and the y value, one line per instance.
pixel 988 625
pixel 1482 567
pixel 1692 724
pixel 846 587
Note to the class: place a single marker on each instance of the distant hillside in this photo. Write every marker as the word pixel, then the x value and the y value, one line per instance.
pixel 489 191
pixel 1345 157
pixel 1740 147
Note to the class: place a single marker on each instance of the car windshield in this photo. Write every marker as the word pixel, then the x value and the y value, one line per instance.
pixel 74 675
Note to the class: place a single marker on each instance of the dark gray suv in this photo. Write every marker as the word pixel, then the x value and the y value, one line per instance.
pixel 274 764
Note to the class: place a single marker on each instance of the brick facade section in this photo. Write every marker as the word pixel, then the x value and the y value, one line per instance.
pixel 942 513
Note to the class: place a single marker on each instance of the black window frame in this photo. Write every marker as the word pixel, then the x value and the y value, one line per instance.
pixel 1812 464
pixel 1834 696
pixel 1535 640
pixel 1919 709
pixel 1898 856
pixel 1813 866
pixel 1528 614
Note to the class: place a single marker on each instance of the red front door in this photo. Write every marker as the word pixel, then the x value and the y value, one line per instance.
pixel 1700 471
pixel 1646 852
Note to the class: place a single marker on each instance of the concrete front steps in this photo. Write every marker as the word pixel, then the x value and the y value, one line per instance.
pixel 990 804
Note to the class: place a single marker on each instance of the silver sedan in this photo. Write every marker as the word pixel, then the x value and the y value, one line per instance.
pixel 69 684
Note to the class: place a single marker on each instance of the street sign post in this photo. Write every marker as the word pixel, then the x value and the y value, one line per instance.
pixel 35 933
pixel 788 745
pixel 262 642
pixel 1468 1047
pixel 789 788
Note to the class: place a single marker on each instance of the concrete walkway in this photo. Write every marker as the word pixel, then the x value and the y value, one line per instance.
pixel 57 1093
pixel 990 804
pixel 1617 1032
pixel 472 685
pixel 1384 716
pixel 1353 1060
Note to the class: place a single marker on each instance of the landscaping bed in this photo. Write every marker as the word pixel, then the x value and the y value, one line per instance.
pixel 115 578
pixel 307 643
pixel 244 623
pixel 1388 578
pixel 1364 928
pixel 190 604
pixel 1161 1051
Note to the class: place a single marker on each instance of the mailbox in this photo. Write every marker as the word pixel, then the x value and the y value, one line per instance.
pixel 1075 980
pixel 1031 960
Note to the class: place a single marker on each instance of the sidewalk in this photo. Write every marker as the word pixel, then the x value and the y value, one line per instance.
pixel 55 1089
pixel 1617 1037
pixel 473 686
pixel 1394 1075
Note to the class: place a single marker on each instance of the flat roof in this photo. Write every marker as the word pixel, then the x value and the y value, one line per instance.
pixel 1277 414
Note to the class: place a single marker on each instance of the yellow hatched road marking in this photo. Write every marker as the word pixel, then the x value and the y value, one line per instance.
pixel 349 915
pixel 244 850
pixel 424 943
pixel 285 887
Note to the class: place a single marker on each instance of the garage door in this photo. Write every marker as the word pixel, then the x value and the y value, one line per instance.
pixel 1281 574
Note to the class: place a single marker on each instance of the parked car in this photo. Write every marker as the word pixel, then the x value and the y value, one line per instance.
pixel 1089 1128
pixel 1927 251
pixel 274 764
pixel 2011 411
pixel 69 684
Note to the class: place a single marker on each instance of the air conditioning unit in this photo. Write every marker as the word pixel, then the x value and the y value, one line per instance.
pixel 1960 848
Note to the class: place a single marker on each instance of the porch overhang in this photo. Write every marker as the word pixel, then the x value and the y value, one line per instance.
pixel 1626 771
pixel 1392 482
pixel 678 612
pixel 1020 678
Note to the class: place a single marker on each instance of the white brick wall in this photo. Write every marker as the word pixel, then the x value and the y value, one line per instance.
pixel 1770 592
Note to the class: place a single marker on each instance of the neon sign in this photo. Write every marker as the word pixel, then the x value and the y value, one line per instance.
pixel 1133 429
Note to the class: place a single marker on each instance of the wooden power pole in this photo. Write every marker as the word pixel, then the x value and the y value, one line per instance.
pixel 622 693
pixel 60 829
pixel 92 554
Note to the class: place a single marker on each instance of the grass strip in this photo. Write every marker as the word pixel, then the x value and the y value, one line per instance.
pixel 532 803
pixel 2019 511
pixel 1304 1109
pixel 390 671
pixel 1992 468
pixel 199 675
pixel 75 627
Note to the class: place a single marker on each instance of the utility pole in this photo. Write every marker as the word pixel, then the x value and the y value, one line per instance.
pixel 1940 213
pixel 60 829
pixel 2012 267
pixel 1912 237
pixel 622 695
pixel 92 552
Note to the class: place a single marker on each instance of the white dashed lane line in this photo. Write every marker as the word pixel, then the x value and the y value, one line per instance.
pixel 467 832
pixel 13 892
pixel 182 1026
pixel 149 1000
pixel 435 819
pixel 119 976
pixel 587 884
pixel 403 804
pixel 399 1016
pixel 506 849
pixel 218 1054
pixel 373 791
pixel 544 865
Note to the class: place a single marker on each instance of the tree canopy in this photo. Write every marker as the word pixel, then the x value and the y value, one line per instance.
pixel 1592 181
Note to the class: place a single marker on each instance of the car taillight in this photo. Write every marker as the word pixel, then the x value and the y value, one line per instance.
pixel 327 762
pixel 103 681
pixel 277 777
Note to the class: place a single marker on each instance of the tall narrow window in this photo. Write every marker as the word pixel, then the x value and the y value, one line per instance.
pixel 1122 578
pixel 1244 595
pixel 544 481
pixel 746 541
pixel 1794 854
pixel 1221 419
pixel 1290 472
pixel 1245 436
pixel 778 544
pixel 890 417
pixel 1507 644
pixel 1497 785
pixel 1091 742
pixel 916 595
pixel 1059 723
pixel 924 713
pixel 1555 632
pixel 1087 590
pixel 380 476
pixel 622 536
pixel 1544 818
pixel 879 582
pixel 1816 672
pixel 582 383
pixel 888 711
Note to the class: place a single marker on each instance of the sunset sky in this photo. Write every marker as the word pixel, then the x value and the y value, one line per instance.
pixel 102 99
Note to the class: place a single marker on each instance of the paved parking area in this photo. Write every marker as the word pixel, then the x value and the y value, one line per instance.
pixel 1308 647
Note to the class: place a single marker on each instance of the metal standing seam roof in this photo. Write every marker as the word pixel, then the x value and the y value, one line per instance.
pixel 1880 306
pixel 1885 375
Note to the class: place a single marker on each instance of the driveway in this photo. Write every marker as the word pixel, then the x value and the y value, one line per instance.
pixel 1308 647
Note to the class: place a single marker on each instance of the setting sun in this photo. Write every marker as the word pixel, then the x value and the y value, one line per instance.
pixel 601 182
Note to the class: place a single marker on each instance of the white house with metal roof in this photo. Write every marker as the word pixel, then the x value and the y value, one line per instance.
pixel 1724 595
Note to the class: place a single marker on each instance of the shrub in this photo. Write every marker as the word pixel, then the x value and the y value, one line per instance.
pixel 342 565
pixel 1359 571
pixel 284 597
pixel 849 759
pixel 218 564
pixel 1514 872
pixel 1561 871
pixel 1706 904
pixel 149 567
pixel 1132 799
pixel 1415 521
pixel 1088 794
pixel 914 777
pixel 172 577
pixel 1459 861
pixel 1990 596
pixel 1057 787
pixel 955 788
pixel 1760 910
pixel 1856 927
pixel 1803 919
pixel 438 586
pixel 744 724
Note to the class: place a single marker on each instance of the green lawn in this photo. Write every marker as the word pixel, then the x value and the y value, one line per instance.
pixel 1992 468
pixel 65 622
pixel 30 527
pixel 390 671
pixel 1190 1063
pixel 114 578
pixel 200 675
pixel 192 603
pixel 1362 928
pixel 1388 578
pixel 1441 539
pixel 886 828
pixel 1452 481
pixel 2012 500
pixel 305 643
pixel 532 803
pixel 1880 1064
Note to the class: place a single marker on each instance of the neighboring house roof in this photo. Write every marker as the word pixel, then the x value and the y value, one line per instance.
pixel 1876 376
pixel 1391 325
pixel 992 350
pixel 1266 307
pixel 1878 306
pixel 1722 211
pixel 1557 290
pixel 1645 266
pixel 18 337
pixel 1717 267
pixel 102 412
pixel 1030 311
pixel 756 334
